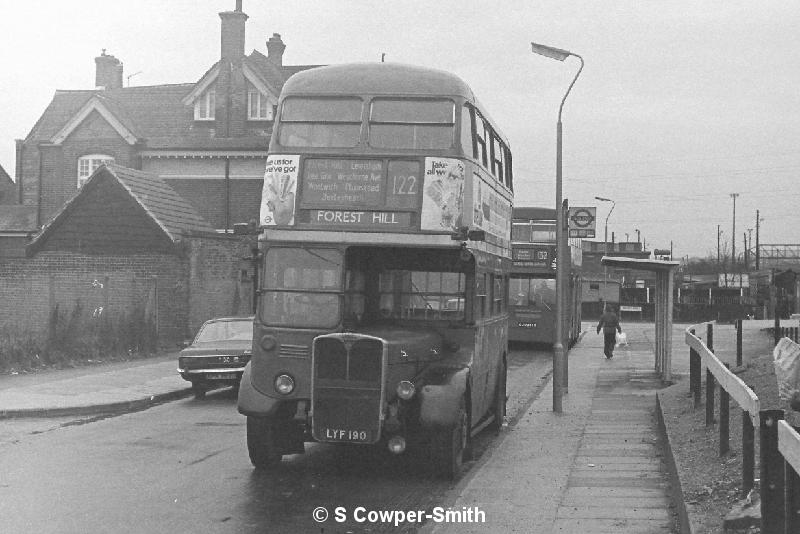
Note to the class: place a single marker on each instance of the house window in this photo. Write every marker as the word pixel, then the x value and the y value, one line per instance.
pixel 204 106
pixel 88 164
pixel 258 106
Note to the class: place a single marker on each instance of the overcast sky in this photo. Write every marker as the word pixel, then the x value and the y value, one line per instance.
pixel 680 103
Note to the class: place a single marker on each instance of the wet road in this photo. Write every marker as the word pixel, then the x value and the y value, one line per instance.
pixel 183 467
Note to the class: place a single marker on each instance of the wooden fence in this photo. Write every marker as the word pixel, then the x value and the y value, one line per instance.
pixel 779 443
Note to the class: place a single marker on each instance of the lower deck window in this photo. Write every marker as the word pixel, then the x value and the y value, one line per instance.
pixel 533 292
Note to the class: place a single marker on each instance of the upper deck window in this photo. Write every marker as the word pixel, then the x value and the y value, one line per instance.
pixel 320 122
pixel 533 232
pixel 412 124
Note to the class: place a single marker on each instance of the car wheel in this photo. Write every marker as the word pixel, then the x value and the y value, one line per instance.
pixel 199 390
pixel 451 445
pixel 261 443
pixel 500 397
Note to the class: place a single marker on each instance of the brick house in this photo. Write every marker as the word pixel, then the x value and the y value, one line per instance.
pixel 8 189
pixel 207 139
pixel 133 191
pixel 128 241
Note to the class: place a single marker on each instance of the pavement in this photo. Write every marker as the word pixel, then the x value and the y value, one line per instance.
pixel 93 390
pixel 596 467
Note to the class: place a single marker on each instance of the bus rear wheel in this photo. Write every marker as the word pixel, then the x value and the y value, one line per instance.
pixel 451 445
pixel 261 445
pixel 500 397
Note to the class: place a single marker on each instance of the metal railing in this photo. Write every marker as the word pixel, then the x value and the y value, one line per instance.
pixel 779 444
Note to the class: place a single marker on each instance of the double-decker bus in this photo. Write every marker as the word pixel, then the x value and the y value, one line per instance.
pixel 385 230
pixel 532 293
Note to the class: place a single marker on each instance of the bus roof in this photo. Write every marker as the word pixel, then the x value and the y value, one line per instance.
pixel 533 213
pixel 377 78
pixel 397 79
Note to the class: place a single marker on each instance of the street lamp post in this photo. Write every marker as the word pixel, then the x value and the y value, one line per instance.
pixel 559 354
pixel 605 246
pixel 733 233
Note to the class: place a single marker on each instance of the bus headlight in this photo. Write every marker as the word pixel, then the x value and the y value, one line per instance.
pixel 405 390
pixel 397 444
pixel 284 384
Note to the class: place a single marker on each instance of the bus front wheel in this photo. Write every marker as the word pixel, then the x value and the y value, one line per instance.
pixel 261 444
pixel 451 445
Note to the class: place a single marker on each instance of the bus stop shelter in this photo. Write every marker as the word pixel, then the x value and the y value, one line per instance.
pixel 663 304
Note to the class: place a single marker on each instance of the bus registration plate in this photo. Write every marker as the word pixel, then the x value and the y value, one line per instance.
pixel 344 434
pixel 222 376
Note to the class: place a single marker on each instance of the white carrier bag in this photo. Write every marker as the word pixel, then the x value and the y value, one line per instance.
pixel 787 367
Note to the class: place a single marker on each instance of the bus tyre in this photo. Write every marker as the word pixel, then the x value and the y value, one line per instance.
pixel 451 445
pixel 199 390
pixel 500 397
pixel 261 443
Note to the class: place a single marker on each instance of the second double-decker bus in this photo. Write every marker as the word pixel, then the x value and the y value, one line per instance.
pixel 385 233
pixel 532 292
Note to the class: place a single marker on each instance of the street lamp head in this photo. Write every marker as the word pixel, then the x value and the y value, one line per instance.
pixel 604 199
pixel 549 51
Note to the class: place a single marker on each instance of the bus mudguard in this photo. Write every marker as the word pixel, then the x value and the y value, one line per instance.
pixel 251 401
pixel 439 403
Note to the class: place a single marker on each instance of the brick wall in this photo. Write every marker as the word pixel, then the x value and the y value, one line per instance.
pixel 31 287
pixel 206 189
pixel 58 164
pixel 216 287
pixel 182 290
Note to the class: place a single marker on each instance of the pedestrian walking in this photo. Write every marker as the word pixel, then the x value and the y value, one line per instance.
pixel 609 323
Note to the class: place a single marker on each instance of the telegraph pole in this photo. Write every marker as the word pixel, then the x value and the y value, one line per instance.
pixel 719 232
pixel 758 220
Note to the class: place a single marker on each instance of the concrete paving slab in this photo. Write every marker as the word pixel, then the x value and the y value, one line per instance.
pixel 609 526
pixel 539 479
pixel 614 512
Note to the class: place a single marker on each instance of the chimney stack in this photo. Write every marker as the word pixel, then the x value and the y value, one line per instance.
pixel 108 72
pixel 232 34
pixel 275 48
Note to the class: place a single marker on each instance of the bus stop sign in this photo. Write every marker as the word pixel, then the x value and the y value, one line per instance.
pixel 582 222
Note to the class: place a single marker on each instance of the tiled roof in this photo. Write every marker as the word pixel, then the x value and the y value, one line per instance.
pixel 156 114
pixel 8 189
pixel 18 218
pixel 174 214
pixel 4 177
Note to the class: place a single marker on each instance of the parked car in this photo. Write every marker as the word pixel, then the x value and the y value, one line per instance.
pixel 218 354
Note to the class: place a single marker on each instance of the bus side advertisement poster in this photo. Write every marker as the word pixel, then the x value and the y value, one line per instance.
pixel 491 212
pixel 279 191
pixel 443 198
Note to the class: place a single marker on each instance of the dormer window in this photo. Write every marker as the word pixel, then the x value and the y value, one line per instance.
pixel 259 107
pixel 204 106
pixel 88 164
